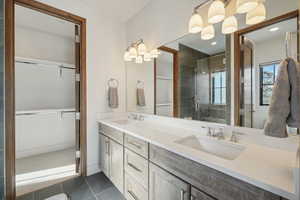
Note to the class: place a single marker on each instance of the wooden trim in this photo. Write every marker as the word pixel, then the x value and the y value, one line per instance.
pixel 49 10
pixel 174 52
pixel 10 82
pixel 10 189
pixel 237 55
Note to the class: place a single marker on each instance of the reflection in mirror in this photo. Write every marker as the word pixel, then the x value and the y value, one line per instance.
pixel 263 50
pixel 195 87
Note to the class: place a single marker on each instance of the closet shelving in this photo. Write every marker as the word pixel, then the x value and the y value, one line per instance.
pixel 39 63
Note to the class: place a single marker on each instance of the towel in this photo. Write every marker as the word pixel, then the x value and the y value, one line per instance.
pixel 113 98
pixel 140 95
pixel 285 104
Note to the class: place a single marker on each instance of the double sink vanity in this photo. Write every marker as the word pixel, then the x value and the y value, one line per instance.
pixel 158 158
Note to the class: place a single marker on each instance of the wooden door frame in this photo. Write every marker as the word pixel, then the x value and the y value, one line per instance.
pixel 10 185
pixel 237 54
pixel 174 52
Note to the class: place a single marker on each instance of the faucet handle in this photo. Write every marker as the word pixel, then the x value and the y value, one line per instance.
pixel 233 137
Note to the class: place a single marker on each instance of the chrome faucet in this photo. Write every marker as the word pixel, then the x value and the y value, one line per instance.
pixel 234 137
pixel 220 134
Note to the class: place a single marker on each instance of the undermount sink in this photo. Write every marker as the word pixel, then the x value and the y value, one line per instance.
pixel 222 149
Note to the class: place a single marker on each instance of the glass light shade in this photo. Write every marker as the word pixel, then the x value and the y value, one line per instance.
pixel 195 23
pixel 257 15
pixel 216 12
pixel 132 52
pixel 244 6
pixel 126 56
pixel 139 60
pixel 229 25
pixel 208 32
pixel 147 57
pixel 142 49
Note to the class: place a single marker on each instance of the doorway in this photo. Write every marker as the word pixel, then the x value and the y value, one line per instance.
pixel 45 96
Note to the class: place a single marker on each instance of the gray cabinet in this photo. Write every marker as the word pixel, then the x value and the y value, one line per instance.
pixel 198 195
pixel 116 164
pixel 164 185
pixel 111 161
pixel 104 154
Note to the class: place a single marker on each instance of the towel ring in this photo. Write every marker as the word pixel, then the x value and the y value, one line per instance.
pixel 140 84
pixel 113 82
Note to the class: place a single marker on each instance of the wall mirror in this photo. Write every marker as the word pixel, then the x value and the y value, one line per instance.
pixel 205 80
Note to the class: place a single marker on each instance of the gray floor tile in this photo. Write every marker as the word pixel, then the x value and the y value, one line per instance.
pixel 48 192
pixel 78 189
pixel 111 193
pixel 99 182
pixel 29 196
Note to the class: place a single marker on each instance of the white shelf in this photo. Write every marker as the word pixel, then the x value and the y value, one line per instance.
pixel 43 62
pixel 44 111
pixel 164 78
pixel 164 104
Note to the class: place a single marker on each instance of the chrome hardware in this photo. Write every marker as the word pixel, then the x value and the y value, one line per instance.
pixel 182 194
pixel 133 195
pixel 134 167
pixel 134 144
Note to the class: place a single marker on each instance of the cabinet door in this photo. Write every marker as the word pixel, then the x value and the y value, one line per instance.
pixel 165 186
pixel 198 195
pixel 117 164
pixel 104 155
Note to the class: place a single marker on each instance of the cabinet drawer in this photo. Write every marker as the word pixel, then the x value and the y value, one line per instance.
pixel 136 145
pixel 111 133
pixel 198 195
pixel 133 190
pixel 137 167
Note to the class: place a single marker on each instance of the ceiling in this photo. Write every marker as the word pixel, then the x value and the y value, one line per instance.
pixel 265 34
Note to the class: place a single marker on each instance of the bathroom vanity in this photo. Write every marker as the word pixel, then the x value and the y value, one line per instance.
pixel 163 158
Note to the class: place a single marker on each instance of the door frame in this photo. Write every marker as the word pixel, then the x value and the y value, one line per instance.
pixel 174 52
pixel 237 54
pixel 10 173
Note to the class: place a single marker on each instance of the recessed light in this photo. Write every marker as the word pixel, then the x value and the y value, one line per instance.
pixel 274 29
pixel 213 43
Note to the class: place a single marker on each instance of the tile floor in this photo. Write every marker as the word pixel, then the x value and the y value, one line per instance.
pixel 95 187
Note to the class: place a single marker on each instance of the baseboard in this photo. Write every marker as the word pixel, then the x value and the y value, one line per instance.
pixel 44 149
pixel 93 169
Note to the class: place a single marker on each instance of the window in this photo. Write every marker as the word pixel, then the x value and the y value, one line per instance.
pixel 268 74
pixel 219 87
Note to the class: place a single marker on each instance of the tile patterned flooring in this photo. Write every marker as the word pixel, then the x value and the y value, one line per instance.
pixel 95 187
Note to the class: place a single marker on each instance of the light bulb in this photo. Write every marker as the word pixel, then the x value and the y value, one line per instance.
pixel 139 60
pixel 195 23
pixel 244 6
pixel 216 12
pixel 126 56
pixel 257 15
pixel 208 32
pixel 132 52
pixel 229 25
pixel 142 49
pixel 147 57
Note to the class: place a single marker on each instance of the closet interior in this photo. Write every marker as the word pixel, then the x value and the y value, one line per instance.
pixel 45 103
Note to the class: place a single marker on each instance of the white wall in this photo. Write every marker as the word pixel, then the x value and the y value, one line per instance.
pixel 105 47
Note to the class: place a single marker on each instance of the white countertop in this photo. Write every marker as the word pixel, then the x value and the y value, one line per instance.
pixel 266 166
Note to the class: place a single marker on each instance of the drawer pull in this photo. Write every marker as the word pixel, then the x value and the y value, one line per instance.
pixel 133 195
pixel 134 167
pixel 192 197
pixel 107 147
pixel 182 194
pixel 136 145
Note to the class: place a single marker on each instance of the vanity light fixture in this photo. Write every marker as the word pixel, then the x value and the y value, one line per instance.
pixel 274 29
pixel 208 32
pixel 244 6
pixel 230 25
pixel 138 51
pixel 216 12
pixel 256 15
pixel 255 9
pixel 195 23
